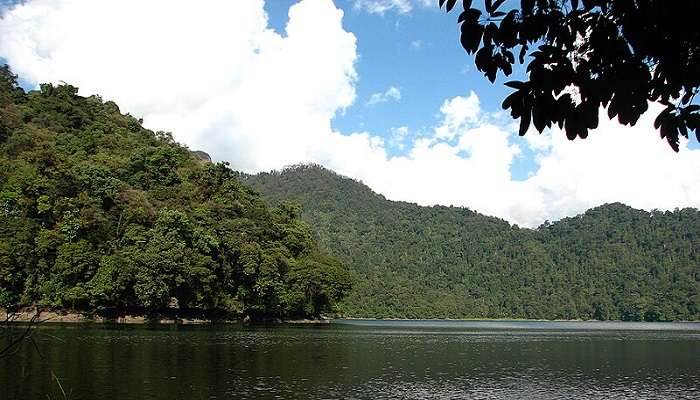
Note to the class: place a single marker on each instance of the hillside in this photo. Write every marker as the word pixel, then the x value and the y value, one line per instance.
pixel 613 262
pixel 97 212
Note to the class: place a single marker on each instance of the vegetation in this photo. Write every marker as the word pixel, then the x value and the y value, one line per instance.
pixel 613 262
pixel 619 54
pixel 98 212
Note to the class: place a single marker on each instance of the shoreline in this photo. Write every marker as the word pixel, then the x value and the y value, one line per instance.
pixel 87 317
pixel 172 317
pixel 505 320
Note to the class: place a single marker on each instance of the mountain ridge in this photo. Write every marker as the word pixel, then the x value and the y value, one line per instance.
pixel 440 261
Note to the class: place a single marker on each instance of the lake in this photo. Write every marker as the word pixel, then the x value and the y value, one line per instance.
pixel 361 359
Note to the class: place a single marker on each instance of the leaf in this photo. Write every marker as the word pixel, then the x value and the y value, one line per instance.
pixel 497 4
pixel 691 108
pixel 506 68
pixel 663 115
pixel 687 96
pixel 497 14
pixel 450 5
pixel 683 129
pixel 539 116
pixel 523 52
pixel 517 84
pixel 488 5
pixel 672 139
pixel 483 58
pixel 471 36
pixel 524 123
pixel 510 102
pixel 462 17
pixel 509 56
pixel 466 4
pixel 571 127
pixel 508 30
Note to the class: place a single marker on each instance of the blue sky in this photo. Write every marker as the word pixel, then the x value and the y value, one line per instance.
pixel 436 69
pixel 378 90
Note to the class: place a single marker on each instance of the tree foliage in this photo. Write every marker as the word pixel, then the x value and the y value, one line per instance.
pixel 96 211
pixel 613 262
pixel 619 54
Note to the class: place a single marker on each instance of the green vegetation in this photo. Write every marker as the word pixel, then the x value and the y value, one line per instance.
pixel 98 212
pixel 613 262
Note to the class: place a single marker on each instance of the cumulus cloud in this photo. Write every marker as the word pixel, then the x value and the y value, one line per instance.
pixel 467 160
pixel 222 81
pixel 626 164
pixel 215 74
pixel 398 136
pixel 393 93
pixel 458 111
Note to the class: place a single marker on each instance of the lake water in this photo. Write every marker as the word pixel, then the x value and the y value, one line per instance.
pixel 361 359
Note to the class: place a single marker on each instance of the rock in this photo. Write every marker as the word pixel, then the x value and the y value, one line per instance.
pixel 174 303
pixel 202 155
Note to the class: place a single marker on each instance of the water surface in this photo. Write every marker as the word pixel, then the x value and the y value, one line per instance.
pixel 361 359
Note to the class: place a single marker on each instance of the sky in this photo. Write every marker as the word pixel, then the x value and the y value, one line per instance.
pixel 377 90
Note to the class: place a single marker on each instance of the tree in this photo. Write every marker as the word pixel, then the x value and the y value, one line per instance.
pixel 619 54
pixel 96 211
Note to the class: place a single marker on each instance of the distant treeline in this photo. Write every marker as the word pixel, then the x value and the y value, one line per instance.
pixel 98 212
pixel 611 263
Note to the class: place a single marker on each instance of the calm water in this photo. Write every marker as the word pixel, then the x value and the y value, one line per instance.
pixel 362 360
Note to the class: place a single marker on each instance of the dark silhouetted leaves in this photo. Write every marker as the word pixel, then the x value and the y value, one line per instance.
pixel 617 54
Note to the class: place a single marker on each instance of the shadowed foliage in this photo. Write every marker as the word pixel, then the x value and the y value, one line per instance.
pixel 619 54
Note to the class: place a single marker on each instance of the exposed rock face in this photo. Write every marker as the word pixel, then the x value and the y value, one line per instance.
pixel 202 155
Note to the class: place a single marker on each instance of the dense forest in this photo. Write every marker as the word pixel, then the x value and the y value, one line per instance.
pixel 613 262
pixel 97 212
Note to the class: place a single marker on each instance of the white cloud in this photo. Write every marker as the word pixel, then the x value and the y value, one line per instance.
pixel 467 162
pixel 382 6
pixel 417 44
pixel 222 81
pixel 399 6
pixel 393 93
pixel 457 112
pixel 215 74
pixel 626 164
pixel 398 136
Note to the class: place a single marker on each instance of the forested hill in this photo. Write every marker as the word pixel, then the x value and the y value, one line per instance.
pixel 613 262
pixel 98 212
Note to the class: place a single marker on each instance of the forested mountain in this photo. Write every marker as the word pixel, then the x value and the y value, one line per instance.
pixel 96 211
pixel 613 262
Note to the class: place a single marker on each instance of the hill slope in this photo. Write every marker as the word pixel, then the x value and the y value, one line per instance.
pixel 96 211
pixel 613 262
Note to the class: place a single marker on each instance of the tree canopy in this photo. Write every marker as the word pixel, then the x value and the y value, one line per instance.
pixel 98 212
pixel 611 263
pixel 619 54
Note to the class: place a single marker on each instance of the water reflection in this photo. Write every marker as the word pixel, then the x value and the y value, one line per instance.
pixel 362 361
